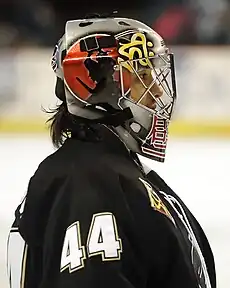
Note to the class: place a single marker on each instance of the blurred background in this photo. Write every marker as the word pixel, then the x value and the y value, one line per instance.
pixel 197 31
pixel 198 160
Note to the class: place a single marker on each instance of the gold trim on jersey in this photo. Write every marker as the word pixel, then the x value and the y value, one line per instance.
pixel 24 261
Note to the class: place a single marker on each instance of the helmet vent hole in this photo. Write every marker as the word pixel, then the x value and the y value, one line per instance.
pixel 84 24
pixel 123 23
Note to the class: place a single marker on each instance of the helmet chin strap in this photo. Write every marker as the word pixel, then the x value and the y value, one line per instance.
pixel 91 113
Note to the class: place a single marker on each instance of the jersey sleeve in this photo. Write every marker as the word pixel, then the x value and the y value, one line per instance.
pixel 23 259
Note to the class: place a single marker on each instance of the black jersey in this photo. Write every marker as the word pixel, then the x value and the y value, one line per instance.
pixel 91 218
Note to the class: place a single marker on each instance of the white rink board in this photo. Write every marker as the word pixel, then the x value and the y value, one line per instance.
pixel 197 170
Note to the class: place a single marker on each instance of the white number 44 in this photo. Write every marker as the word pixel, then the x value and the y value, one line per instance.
pixel 102 240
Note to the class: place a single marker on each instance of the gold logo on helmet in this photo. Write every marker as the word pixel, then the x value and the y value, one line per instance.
pixel 138 46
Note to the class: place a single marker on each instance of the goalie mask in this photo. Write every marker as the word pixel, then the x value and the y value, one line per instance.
pixel 108 66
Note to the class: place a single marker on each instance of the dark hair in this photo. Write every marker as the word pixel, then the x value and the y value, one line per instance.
pixel 64 125
pixel 59 124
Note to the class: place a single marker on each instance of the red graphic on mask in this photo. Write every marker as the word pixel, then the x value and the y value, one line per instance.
pixel 76 74
pixel 156 141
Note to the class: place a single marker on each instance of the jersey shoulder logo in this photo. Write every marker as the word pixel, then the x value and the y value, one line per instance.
pixel 156 202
